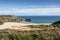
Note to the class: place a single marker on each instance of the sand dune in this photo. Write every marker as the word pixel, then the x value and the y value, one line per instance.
pixel 11 24
pixel 16 25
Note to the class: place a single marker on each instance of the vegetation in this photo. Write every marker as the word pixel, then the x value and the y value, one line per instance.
pixel 30 35
pixel 9 18
pixel 41 26
pixel 48 32
pixel 56 24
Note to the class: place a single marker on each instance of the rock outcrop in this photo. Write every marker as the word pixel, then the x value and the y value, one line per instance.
pixel 28 19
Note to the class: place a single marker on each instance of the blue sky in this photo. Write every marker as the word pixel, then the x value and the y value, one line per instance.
pixel 30 7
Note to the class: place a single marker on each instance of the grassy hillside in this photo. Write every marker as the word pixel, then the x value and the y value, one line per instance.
pixel 30 35
pixel 46 34
pixel 9 18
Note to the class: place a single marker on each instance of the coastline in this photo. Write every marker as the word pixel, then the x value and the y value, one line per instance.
pixel 23 22
pixel 36 23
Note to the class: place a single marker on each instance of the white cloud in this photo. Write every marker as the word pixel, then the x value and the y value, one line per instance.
pixel 42 6
pixel 35 11
pixel 43 11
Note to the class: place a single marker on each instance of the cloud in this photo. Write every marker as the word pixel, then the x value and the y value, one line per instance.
pixel 43 11
pixel 34 11
pixel 42 6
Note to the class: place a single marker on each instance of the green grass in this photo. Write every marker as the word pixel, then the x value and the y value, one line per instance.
pixel 47 34
pixel 31 35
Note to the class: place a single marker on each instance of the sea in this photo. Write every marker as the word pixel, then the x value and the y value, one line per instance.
pixel 42 19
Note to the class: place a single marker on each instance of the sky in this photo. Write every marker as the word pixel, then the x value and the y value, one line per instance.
pixel 30 7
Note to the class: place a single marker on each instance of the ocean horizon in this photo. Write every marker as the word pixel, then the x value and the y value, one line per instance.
pixel 42 19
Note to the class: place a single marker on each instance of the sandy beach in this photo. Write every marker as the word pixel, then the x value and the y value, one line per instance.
pixel 16 25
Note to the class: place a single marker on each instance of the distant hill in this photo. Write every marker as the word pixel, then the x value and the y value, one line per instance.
pixel 56 24
pixel 9 18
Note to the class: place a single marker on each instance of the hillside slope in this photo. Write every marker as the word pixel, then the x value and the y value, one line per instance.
pixel 9 18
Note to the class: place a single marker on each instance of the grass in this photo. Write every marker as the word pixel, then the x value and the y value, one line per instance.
pixel 49 32
pixel 30 35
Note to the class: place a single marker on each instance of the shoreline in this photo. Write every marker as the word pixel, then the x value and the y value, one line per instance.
pixel 38 23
